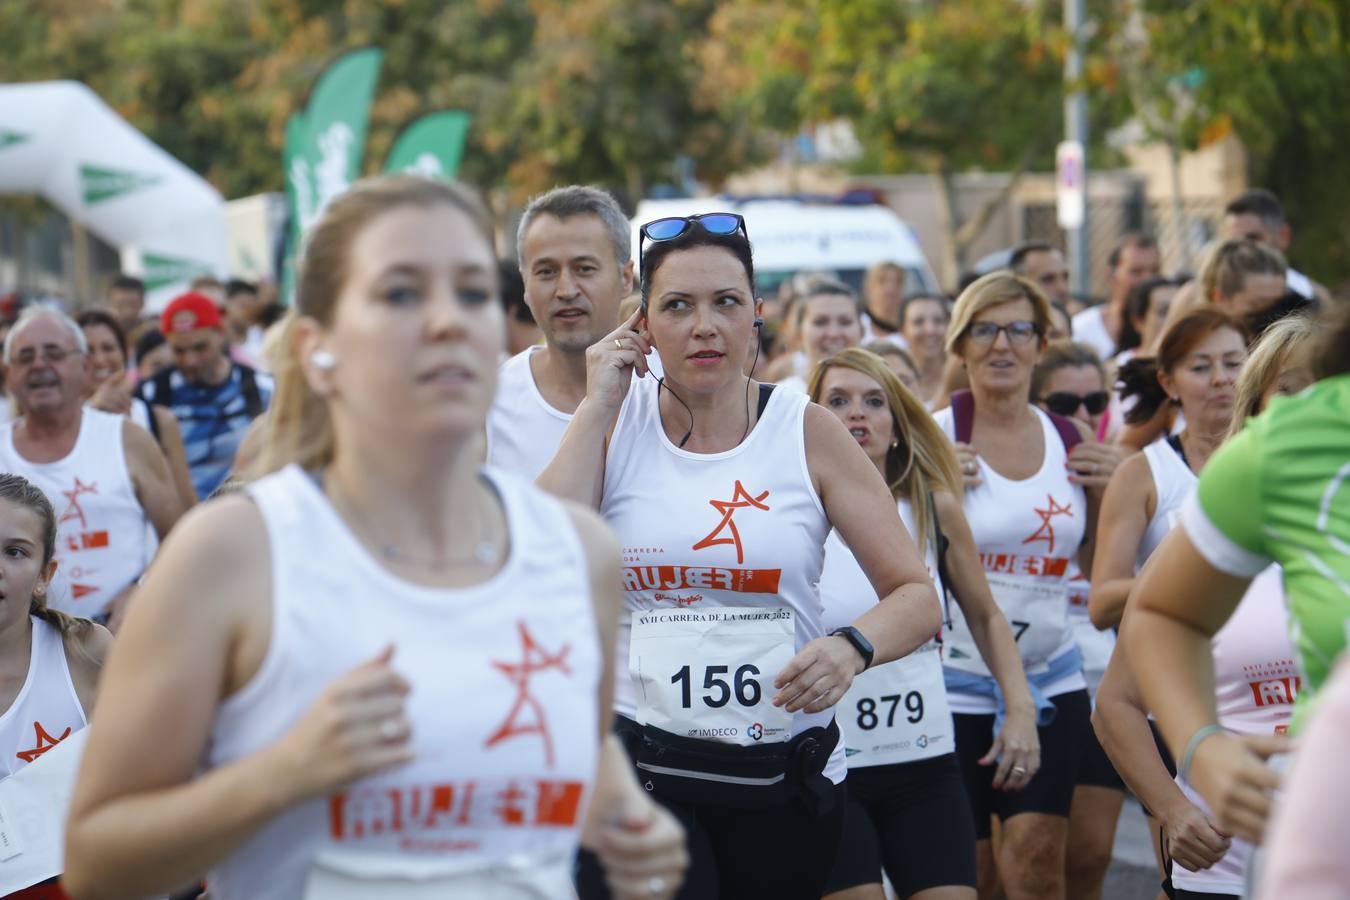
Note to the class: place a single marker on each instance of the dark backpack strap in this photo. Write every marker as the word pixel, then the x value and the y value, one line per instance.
pixel 163 382
pixel 765 392
pixel 963 415
pixel 153 421
pixel 1068 432
pixel 248 386
pixel 940 544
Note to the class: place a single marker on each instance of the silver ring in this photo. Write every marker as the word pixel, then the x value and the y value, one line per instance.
pixel 1019 770
pixel 656 885
pixel 389 729
pixel 618 343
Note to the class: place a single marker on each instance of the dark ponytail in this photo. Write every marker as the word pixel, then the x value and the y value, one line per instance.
pixel 22 492
pixel 1138 378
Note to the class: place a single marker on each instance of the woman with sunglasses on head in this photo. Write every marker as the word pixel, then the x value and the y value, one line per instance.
pixel 1255 681
pixel 383 670
pixel 722 492
pixel 1069 381
pixel 908 812
pixel 1032 510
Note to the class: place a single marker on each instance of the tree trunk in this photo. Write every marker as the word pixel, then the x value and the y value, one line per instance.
pixel 949 217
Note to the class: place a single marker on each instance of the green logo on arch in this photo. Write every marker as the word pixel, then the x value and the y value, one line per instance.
pixel 98 183
pixel 10 138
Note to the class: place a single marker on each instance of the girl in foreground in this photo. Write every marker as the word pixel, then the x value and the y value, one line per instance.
pixel 354 655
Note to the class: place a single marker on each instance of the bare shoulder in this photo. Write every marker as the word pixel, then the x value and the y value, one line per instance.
pixel 136 440
pixel 220 549
pixel 828 441
pixel 164 418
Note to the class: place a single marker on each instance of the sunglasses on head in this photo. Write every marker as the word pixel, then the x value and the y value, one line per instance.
pixel 668 229
pixel 1064 403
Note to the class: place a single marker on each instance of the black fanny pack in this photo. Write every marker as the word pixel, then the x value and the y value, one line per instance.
pixel 691 770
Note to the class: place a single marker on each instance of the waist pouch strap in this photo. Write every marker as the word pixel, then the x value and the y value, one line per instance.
pixel 690 770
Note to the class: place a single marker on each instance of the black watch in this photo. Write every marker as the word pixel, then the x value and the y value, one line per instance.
pixel 860 643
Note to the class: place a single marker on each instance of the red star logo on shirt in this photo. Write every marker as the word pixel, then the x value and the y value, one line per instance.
pixel 43 742
pixel 740 499
pixel 1047 530
pixel 534 659
pixel 73 510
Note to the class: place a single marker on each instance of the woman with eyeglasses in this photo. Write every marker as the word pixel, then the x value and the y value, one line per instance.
pixel 908 813
pixel 722 493
pixel 1033 512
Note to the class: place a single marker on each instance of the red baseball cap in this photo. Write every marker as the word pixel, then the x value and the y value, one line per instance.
pixel 188 312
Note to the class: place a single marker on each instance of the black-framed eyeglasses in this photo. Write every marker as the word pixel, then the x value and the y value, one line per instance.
pixel 671 227
pixel 1019 332
pixel 1064 403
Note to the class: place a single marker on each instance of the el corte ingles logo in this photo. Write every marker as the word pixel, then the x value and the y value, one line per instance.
pixel 9 138
pixel 98 183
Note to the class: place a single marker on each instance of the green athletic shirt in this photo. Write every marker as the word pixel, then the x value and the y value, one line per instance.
pixel 1280 492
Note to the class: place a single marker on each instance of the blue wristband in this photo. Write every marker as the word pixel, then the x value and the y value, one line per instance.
pixel 1184 770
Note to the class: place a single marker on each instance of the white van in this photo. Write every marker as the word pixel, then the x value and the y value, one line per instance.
pixel 794 236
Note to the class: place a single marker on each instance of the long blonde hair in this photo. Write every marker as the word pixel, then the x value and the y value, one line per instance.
pixel 1283 342
pixel 923 460
pixel 23 493
pixel 298 426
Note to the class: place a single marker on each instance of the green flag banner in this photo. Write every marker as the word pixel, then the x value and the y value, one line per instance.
pixel 325 145
pixel 432 145
pixel 159 270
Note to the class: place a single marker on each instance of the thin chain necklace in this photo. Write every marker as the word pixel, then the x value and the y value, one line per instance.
pixel 485 551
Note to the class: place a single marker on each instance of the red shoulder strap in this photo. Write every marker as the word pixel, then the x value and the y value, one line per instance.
pixel 1067 432
pixel 963 414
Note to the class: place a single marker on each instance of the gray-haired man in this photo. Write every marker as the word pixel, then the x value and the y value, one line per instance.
pixel 575 248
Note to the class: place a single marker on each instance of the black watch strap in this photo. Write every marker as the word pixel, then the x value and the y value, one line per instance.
pixel 860 643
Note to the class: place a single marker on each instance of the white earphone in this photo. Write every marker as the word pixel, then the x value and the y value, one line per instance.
pixel 324 360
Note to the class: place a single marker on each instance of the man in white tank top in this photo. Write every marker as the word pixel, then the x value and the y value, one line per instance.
pixel 105 476
pixel 575 257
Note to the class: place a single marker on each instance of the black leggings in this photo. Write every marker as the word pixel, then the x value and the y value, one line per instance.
pixel 785 853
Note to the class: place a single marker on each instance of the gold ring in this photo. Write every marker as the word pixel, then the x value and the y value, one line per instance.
pixel 618 343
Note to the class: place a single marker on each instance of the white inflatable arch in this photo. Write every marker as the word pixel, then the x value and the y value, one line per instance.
pixel 60 140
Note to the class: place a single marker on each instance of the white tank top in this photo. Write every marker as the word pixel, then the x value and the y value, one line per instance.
pixel 47 709
pixel 1256 682
pixel 101 528
pixel 523 430
pixel 1173 482
pixel 896 712
pixel 504 675
pixel 1027 533
pixel 700 531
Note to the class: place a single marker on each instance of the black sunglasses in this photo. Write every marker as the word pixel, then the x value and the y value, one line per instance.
pixel 1063 403
pixel 668 229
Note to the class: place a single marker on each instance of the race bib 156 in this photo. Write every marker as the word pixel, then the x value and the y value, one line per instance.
pixel 709 673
